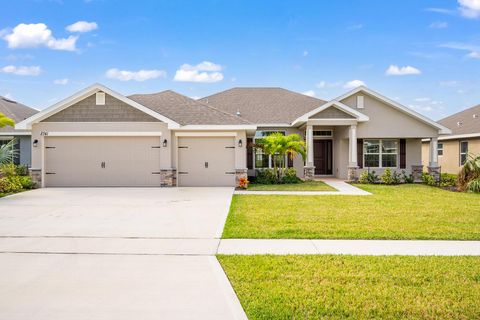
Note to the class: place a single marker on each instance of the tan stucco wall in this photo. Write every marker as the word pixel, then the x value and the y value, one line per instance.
pixel 387 122
pixel 450 160
pixel 49 127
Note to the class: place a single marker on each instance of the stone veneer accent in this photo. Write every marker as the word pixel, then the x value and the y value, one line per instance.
pixel 240 173
pixel 36 176
pixel 168 178
pixel 309 173
pixel 352 174
pixel 434 172
pixel 417 171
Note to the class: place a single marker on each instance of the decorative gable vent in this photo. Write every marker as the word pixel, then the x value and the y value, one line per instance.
pixel 459 123
pixel 360 102
pixel 100 98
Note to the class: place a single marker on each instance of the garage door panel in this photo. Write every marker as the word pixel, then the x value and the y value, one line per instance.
pixel 77 161
pixel 206 161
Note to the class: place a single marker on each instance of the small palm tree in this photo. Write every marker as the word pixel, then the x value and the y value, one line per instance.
pixel 5 121
pixel 278 146
pixel 7 151
pixel 469 172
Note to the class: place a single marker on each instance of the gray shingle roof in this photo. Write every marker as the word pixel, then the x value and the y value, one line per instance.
pixel 264 105
pixel 463 122
pixel 15 111
pixel 186 111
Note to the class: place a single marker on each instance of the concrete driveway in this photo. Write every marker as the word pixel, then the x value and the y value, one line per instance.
pixel 114 253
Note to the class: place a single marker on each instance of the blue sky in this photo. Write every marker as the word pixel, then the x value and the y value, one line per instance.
pixel 425 54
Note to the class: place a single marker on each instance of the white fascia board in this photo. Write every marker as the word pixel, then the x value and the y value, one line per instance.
pixel 104 134
pixel 398 106
pixel 360 117
pixel 15 133
pixel 82 94
pixel 460 136
pixel 273 125
pixel 216 127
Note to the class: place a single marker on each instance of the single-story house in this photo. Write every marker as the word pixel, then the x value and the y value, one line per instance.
pixel 453 149
pixel 98 137
pixel 17 112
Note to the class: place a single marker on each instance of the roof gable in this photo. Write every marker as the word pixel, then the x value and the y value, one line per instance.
pixel 340 107
pixel 27 124
pixel 332 113
pixel 441 129
pixel 463 122
pixel 16 111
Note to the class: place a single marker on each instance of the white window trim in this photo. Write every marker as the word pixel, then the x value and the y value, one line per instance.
pixel 440 149
pixel 462 153
pixel 380 154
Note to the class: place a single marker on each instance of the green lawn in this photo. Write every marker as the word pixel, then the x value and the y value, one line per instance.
pixel 392 212
pixel 356 287
pixel 304 186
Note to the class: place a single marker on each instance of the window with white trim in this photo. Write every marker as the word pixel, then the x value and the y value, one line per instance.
pixel 463 152
pixel 380 153
pixel 322 133
pixel 261 160
pixel 440 149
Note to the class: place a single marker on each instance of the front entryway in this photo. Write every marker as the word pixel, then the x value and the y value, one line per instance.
pixel 322 157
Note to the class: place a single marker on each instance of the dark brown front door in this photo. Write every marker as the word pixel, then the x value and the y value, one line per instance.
pixel 322 156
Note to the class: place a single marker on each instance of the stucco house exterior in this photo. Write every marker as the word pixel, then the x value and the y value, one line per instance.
pixel 98 137
pixel 453 149
pixel 18 112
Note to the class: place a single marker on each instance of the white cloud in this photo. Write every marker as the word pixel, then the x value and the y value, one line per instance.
pixel 356 26
pixel 450 83
pixel 474 55
pixel 469 8
pixel 422 99
pixel 309 93
pixel 205 71
pixel 62 82
pixel 8 96
pixel 394 70
pixel 474 49
pixel 37 35
pixel 325 84
pixel 305 53
pixel 438 25
pixel 82 26
pixel 353 84
pixel 140 75
pixel 22 70
pixel 195 97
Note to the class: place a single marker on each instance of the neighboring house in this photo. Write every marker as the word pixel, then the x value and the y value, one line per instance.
pixel 454 149
pixel 18 112
pixel 98 137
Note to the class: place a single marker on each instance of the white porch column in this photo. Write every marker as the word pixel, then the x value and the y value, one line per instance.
pixel 433 151
pixel 309 146
pixel 352 146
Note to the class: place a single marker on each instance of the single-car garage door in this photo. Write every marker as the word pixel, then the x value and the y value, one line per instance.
pixel 206 161
pixel 102 161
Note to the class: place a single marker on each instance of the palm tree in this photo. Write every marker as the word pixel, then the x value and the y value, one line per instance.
pixel 278 146
pixel 5 121
pixel 470 172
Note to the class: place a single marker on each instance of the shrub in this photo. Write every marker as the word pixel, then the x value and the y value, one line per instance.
pixel 407 178
pixel 8 170
pixel 448 180
pixel 9 185
pixel 396 177
pixel 387 177
pixel 22 170
pixel 27 182
pixel 290 176
pixel 474 186
pixel 428 179
pixel 368 177
pixel 470 171
pixel 363 177
pixel 266 176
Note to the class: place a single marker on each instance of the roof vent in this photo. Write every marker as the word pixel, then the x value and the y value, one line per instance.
pixel 475 116
pixel 238 113
pixel 8 100
pixel 459 123
pixel 100 98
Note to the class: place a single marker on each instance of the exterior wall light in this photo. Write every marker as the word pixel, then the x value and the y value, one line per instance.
pixel 164 143
pixel 240 143
pixel 35 143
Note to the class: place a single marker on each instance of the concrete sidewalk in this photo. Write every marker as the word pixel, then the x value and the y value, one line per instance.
pixel 342 189
pixel 354 247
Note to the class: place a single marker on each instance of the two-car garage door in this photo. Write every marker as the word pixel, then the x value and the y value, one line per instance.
pixel 102 161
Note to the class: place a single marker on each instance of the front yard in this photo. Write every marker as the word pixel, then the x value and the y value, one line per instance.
pixel 302 186
pixel 355 287
pixel 392 212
